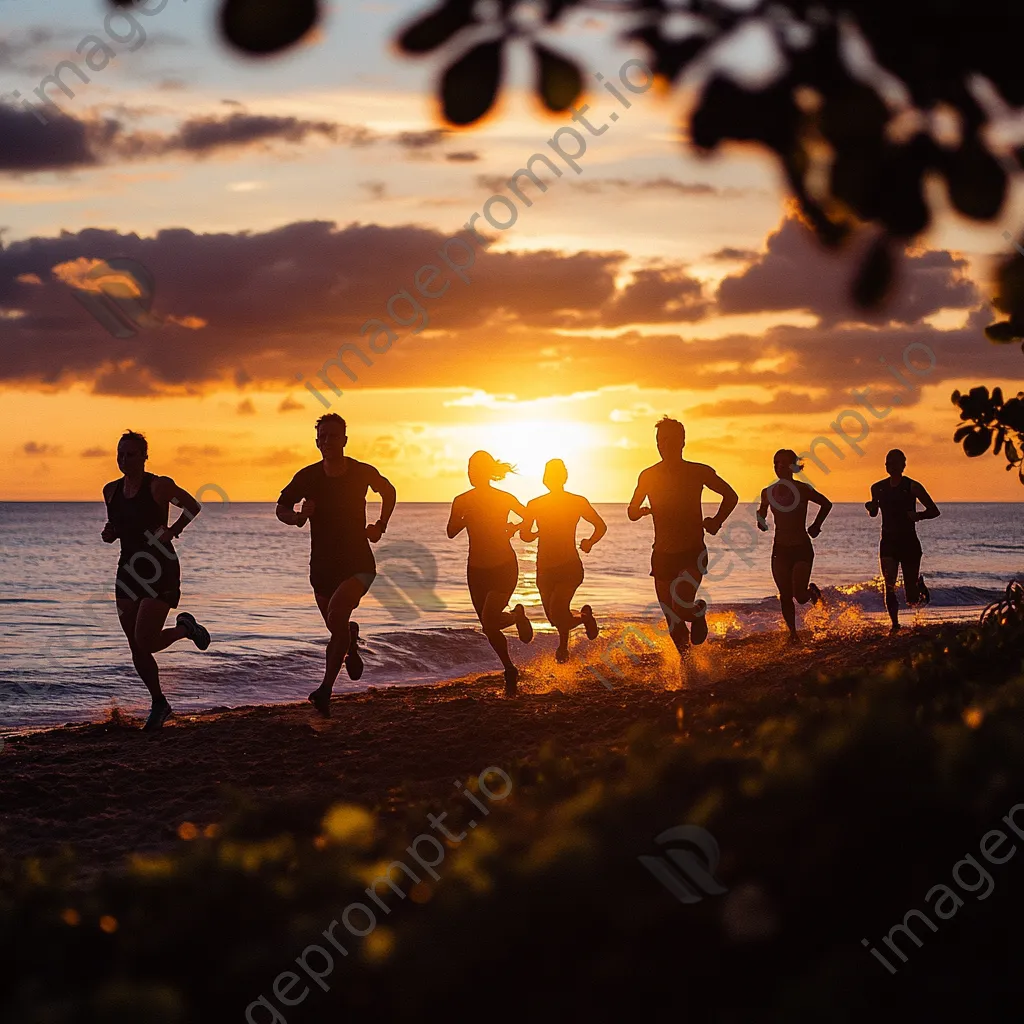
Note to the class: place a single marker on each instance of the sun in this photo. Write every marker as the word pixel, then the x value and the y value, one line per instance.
pixel 529 443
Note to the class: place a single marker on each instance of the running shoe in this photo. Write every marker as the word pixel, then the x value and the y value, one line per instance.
pixel 321 701
pixel 812 589
pixel 926 595
pixel 523 624
pixel 589 623
pixel 353 662
pixel 699 626
pixel 158 715
pixel 199 635
pixel 511 679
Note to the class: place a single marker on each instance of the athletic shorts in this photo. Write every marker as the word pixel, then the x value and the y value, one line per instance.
pixel 138 584
pixel 901 548
pixel 497 579
pixel 785 557
pixel 325 579
pixel 566 575
pixel 667 566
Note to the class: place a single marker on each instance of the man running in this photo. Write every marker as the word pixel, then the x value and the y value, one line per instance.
pixel 792 550
pixel 679 557
pixel 137 510
pixel 559 567
pixel 896 498
pixel 341 564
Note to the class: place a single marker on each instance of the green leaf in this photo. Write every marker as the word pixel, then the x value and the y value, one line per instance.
pixel 470 86
pixel 559 82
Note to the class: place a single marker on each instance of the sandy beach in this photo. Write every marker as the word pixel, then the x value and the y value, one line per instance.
pixel 108 789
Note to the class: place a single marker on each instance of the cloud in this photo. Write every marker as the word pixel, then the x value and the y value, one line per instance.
pixel 789 403
pixel 462 156
pixel 189 453
pixel 290 405
pixel 661 184
pixel 281 302
pixel 730 253
pixel 96 453
pixel 29 145
pixel 246 408
pixel 34 448
pixel 797 273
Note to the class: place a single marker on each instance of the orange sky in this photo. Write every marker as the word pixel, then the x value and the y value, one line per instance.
pixel 281 208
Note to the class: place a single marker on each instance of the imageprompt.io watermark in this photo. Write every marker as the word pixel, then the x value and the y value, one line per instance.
pixel 687 870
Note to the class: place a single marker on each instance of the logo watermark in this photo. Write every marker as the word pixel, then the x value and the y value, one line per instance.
pixel 691 874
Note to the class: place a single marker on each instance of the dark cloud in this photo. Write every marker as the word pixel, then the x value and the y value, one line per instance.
pixel 290 405
pixel 375 189
pixel 35 448
pixel 729 253
pixel 656 295
pixel 281 303
pixel 797 273
pixel 420 141
pixel 783 402
pixel 202 136
pixel 26 144
pixel 246 407
pixel 662 184
pixel 463 156
pixel 96 453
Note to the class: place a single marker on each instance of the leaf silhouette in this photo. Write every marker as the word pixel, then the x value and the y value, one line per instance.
pixel 875 277
pixel 436 28
pixel 559 82
pixel 470 86
pixel 1001 332
pixel 977 442
pixel 265 26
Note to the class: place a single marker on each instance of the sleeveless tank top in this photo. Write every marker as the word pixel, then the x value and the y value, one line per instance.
pixel 895 504
pixel 134 517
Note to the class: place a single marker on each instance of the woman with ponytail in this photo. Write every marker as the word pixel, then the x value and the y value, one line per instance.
pixel 492 569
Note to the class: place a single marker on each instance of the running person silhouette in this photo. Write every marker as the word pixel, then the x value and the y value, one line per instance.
pixel 492 569
pixel 896 498
pixel 137 511
pixel 679 557
pixel 559 568
pixel 792 550
pixel 341 563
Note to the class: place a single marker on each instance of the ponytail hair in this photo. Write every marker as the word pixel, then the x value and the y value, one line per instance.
pixel 483 467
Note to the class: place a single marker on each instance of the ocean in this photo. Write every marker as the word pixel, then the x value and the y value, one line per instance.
pixel 245 577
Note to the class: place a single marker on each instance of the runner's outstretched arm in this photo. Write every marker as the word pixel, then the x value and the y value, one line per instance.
pixel 931 510
pixel 516 506
pixel 730 499
pixel 388 498
pixel 528 527
pixel 637 509
pixel 591 515
pixel 456 521
pixel 165 489
pixel 872 505
pixel 825 507
pixel 762 512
